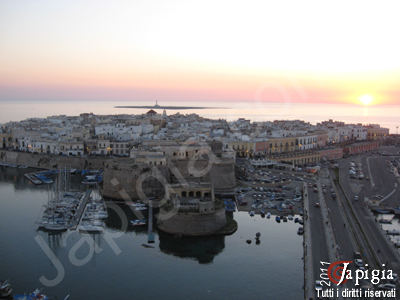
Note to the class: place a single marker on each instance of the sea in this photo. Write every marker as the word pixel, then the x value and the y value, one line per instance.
pixel 385 115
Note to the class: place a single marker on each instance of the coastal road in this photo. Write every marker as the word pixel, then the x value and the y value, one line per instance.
pixel 338 218
pixel 319 243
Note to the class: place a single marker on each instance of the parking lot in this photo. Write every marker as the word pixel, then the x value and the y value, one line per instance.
pixel 277 191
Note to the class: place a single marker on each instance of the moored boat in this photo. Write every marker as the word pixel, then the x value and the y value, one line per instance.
pixel 5 289
pixel 32 178
pixel 138 222
pixel 138 208
pixel 91 227
pixel 35 295
pixel 54 226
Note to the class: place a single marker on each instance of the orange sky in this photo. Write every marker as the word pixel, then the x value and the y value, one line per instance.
pixel 305 51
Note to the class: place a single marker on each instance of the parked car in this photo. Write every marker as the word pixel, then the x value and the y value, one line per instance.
pixel 357 255
pixel 358 262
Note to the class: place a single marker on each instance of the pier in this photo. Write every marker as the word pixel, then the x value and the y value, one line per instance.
pixel 32 178
pixel 81 209
pixel 150 233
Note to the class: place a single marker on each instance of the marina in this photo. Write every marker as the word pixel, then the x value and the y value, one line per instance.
pixel 168 259
pixel 71 210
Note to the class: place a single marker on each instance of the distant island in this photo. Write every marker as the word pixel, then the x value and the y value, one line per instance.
pixel 156 106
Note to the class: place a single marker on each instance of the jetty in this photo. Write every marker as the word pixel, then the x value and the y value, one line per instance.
pixel 150 233
pixel 79 213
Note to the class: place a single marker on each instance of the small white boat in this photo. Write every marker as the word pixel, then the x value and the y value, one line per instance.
pixel 138 222
pixel 92 226
pixel 140 208
pixel 137 204
pixel 54 226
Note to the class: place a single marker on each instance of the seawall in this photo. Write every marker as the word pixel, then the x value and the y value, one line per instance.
pixel 124 179
pixel 47 161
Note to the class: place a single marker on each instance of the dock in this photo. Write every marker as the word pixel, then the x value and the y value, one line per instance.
pixel 32 178
pixel 81 209
pixel 41 176
pixel 150 233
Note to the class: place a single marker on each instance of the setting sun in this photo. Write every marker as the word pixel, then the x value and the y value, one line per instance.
pixel 366 99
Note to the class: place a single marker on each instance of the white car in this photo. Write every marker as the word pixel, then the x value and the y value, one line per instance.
pixel 359 262
pixel 318 285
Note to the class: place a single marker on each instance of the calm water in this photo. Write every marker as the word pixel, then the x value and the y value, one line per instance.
pixel 191 268
pixel 386 115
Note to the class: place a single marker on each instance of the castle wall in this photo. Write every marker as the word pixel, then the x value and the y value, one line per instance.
pixel 192 224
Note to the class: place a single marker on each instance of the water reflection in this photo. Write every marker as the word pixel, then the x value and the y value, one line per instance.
pixel 54 240
pixel 13 175
pixel 202 249
pixel 119 216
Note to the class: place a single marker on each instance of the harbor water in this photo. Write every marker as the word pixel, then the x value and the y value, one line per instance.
pixel 115 265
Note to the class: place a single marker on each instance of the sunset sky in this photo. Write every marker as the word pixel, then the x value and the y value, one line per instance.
pixel 299 51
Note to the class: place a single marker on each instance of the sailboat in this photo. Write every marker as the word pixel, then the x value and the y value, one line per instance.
pixel 61 205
